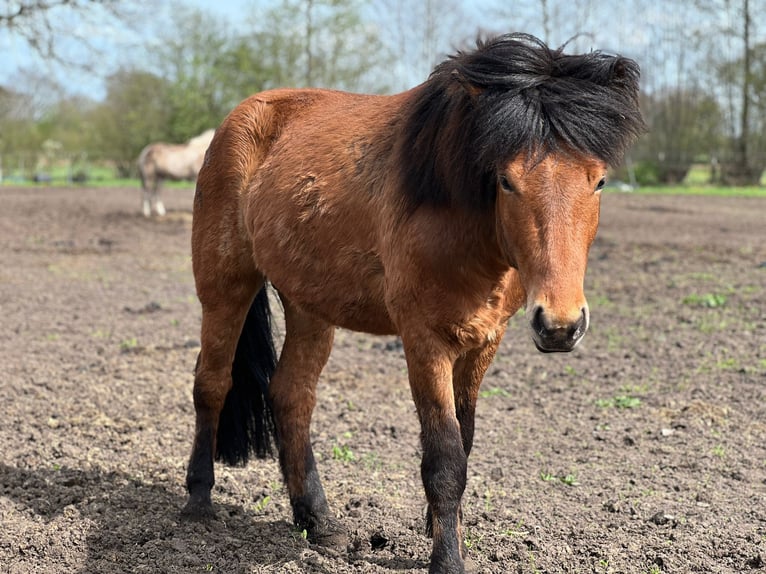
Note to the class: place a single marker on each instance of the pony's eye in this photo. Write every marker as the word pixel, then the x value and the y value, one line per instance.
pixel 601 184
pixel 505 185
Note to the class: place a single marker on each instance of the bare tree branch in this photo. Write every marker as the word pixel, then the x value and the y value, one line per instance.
pixel 50 27
pixel 15 11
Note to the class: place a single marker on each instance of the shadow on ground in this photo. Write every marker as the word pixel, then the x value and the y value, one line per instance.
pixel 136 522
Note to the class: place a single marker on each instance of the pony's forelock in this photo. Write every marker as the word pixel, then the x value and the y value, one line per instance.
pixel 513 94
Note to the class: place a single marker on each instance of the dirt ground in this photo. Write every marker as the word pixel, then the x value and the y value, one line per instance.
pixel 644 451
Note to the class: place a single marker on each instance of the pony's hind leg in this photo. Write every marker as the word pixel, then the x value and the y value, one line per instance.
pixel 306 348
pixel 226 286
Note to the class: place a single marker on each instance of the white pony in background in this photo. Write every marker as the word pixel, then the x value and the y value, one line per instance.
pixel 161 161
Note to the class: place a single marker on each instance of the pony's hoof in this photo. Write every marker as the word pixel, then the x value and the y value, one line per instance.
pixel 198 509
pixel 329 534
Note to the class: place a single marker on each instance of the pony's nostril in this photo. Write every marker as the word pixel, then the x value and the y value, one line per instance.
pixel 538 323
pixel 578 328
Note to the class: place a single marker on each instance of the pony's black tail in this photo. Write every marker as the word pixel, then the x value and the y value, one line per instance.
pixel 246 424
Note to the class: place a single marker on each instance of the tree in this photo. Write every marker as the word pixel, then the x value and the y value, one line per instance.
pixel 23 110
pixel 207 70
pixel 758 97
pixel 295 43
pixel 731 52
pixel 66 31
pixel 558 21
pixel 65 132
pixel 134 114
pixel 202 70
pixel 16 126
pixel 685 125
pixel 320 43
pixel 421 33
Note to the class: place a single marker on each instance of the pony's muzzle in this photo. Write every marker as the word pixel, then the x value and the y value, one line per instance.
pixel 551 335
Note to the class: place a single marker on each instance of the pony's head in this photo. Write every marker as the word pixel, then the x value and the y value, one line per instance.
pixel 547 212
pixel 527 133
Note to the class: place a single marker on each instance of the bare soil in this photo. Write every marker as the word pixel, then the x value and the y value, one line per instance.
pixel 644 451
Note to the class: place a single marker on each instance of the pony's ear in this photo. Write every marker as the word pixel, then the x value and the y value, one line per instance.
pixel 472 90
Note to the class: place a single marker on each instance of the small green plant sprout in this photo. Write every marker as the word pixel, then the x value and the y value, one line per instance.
pixel 494 392
pixel 517 530
pixel 488 500
pixel 569 370
pixel 719 451
pixel 570 480
pixel 727 364
pixel 300 534
pixel 342 453
pixel 129 344
pixel 619 402
pixel 208 568
pixel 626 402
pixel 709 300
pixel 533 562
pixel 261 505
pixel 547 476
pixel 471 540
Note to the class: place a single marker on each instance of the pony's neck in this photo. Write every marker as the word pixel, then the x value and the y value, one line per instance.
pixel 479 239
pixel 434 149
pixel 436 180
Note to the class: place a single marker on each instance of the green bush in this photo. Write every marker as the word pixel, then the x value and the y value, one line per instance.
pixel 647 173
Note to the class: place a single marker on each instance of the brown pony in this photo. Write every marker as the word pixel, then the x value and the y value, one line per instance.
pixel 160 161
pixel 434 214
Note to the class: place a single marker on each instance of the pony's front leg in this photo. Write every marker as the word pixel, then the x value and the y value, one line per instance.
pixel 444 464
pixel 146 203
pixel 467 375
pixel 307 346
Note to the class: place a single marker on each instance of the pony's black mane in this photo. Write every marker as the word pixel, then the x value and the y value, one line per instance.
pixel 512 95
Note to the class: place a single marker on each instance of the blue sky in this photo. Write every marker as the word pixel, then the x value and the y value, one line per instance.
pixel 614 25
pixel 15 53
